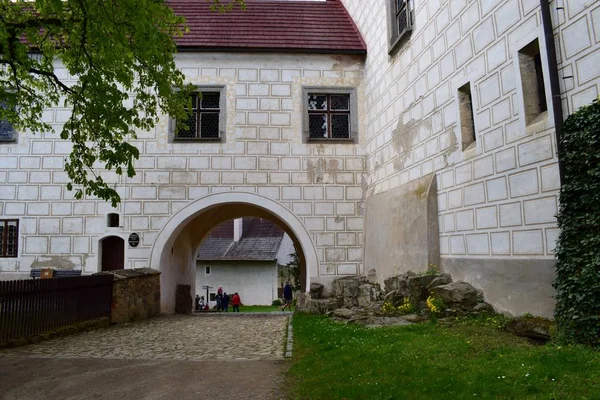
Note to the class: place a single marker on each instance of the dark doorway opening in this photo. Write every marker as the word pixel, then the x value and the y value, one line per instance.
pixel 112 250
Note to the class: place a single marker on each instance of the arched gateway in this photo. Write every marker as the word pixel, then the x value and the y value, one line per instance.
pixel 174 249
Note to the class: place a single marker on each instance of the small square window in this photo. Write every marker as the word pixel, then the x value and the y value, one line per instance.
pixel 207 120
pixel 400 21
pixel 9 237
pixel 330 115
pixel 112 220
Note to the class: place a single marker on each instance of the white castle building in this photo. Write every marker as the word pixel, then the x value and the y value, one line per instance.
pixel 379 134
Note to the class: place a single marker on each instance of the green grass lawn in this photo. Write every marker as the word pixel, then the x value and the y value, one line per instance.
pixel 427 361
pixel 258 308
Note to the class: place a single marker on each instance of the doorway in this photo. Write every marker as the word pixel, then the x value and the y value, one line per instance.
pixel 112 253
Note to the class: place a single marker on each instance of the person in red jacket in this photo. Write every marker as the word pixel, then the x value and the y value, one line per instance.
pixel 236 301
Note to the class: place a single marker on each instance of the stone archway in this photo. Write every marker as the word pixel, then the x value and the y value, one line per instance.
pixel 174 249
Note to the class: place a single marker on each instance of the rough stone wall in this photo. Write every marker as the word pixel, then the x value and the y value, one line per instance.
pixel 263 153
pixel 496 200
pixel 136 294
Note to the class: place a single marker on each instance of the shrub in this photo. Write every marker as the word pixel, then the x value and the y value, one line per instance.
pixel 436 306
pixel 406 308
pixel 577 281
pixel 276 302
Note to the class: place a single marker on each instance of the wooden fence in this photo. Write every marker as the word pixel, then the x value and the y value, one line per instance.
pixel 32 307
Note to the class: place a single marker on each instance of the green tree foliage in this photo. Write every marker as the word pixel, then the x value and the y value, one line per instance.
pixel 120 53
pixel 291 271
pixel 578 257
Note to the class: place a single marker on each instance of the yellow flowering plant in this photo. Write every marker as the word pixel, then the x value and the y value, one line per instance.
pixel 405 308
pixel 436 306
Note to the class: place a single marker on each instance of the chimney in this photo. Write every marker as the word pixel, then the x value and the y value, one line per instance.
pixel 237 229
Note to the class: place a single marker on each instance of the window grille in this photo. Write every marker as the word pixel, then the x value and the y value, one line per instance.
pixel 7 130
pixel 329 116
pixel 9 238
pixel 401 21
pixel 204 120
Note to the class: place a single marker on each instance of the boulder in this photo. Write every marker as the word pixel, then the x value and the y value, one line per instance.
pixel 458 295
pixel 483 307
pixel 351 288
pixel 414 318
pixel 439 280
pixel 302 302
pixel 344 313
pixel 536 329
pixel 316 290
pixel 376 307
pixel 372 275
pixel 368 293
pixel 347 289
pixel 398 283
pixel 322 306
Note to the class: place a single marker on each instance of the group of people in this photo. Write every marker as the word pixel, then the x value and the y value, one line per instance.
pixel 222 299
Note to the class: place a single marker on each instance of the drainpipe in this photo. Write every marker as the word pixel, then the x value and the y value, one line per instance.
pixel 554 85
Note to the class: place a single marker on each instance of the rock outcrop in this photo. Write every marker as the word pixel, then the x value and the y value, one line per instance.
pixel 458 295
pixel 358 298
pixel 316 290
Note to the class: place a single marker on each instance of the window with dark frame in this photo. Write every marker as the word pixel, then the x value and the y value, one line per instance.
pixel 7 130
pixel 329 116
pixel 207 270
pixel 204 121
pixel 9 237
pixel 401 21
pixel 401 16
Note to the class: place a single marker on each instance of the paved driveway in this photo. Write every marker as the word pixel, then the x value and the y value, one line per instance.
pixel 195 357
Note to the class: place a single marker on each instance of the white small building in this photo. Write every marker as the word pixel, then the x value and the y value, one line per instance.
pixel 241 256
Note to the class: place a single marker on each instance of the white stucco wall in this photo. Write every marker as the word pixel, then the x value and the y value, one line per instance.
pixel 254 281
pixel 264 154
pixel 496 202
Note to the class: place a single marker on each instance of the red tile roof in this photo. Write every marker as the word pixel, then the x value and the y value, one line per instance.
pixel 270 26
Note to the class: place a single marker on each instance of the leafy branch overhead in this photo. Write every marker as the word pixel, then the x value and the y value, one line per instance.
pixel 119 55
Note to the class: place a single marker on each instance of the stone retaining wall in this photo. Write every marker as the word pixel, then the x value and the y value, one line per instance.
pixel 136 294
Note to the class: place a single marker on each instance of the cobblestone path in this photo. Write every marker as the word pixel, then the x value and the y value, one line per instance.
pixel 174 337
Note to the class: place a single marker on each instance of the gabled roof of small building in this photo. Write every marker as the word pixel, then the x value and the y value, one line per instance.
pixel 272 26
pixel 260 241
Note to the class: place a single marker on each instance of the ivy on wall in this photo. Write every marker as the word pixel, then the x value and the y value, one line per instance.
pixel 577 281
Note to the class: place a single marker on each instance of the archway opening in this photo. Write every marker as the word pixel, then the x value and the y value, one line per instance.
pixel 250 256
pixel 175 249
pixel 112 253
